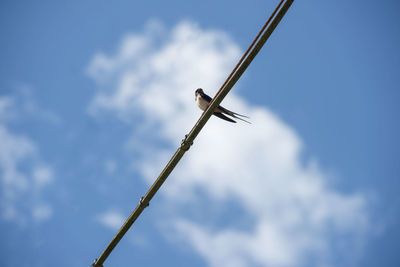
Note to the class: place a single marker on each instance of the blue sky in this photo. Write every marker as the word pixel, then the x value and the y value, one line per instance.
pixel 84 131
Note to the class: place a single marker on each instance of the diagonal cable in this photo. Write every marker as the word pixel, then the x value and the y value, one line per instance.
pixel 237 72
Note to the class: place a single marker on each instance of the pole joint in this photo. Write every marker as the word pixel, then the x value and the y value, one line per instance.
pixel 142 203
pixel 185 144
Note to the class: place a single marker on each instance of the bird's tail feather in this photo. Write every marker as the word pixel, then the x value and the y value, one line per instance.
pixel 234 115
pixel 222 116
pixel 231 113
pixel 237 114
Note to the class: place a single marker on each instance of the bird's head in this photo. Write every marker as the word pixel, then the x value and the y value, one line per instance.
pixel 199 91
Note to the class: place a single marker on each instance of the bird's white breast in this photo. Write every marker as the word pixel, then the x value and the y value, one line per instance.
pixel 201 102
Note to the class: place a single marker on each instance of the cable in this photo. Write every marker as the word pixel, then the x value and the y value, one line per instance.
pixel 251 45
pixel 237 72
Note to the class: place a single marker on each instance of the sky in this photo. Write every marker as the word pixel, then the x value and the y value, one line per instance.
pixel 95 97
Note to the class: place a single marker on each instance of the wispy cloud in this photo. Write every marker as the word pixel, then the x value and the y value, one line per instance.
pixel 112 219
pixel 42 212
pixel 6 108
pixel 110 166
pixel 42 175
pixel 286 212
pixel 22 173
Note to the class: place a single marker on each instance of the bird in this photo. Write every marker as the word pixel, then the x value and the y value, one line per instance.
pixel 203 100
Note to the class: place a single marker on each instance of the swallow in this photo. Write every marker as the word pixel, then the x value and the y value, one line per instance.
pixel 204 100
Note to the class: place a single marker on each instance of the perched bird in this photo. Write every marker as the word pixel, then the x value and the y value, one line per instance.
pixel 204 100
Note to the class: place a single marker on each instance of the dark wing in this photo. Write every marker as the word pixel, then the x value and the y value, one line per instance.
pixel 206 97
pixel 222 116
pixel 224 110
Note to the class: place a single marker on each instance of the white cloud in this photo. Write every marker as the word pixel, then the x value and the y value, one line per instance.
pixel 42 175
pixel 22 173
pixel 6 111
pixel 42 212
pixel 111 219
pixel 110 166
pixel 290 212
pixel 13 150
